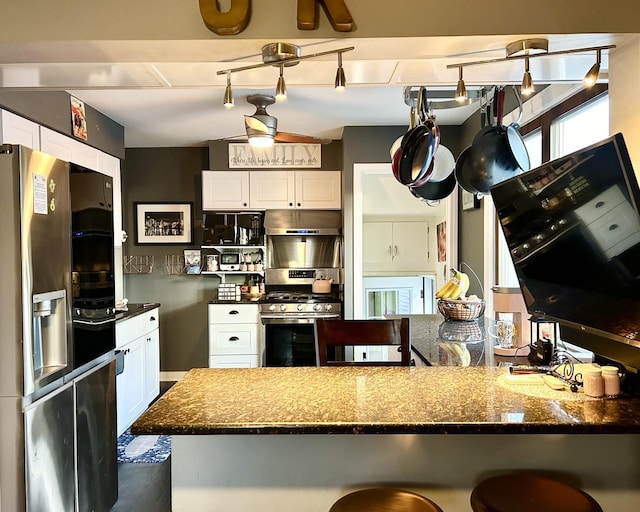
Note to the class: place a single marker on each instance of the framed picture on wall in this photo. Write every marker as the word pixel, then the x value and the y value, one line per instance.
pixel 441 233
pixel 470 201
pixel 164 223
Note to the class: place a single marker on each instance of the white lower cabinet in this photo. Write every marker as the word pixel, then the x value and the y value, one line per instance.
pixel 234 336
pixel 138 385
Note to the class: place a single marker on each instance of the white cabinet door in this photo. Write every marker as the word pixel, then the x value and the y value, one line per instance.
pixel 396 246
pixel 68 149
pixel 18 130
pixel 410 246
pixel 225 190
pixel 272 189
pixel 377 245
pixel 152 366
pixel 130 393
pixel 319 190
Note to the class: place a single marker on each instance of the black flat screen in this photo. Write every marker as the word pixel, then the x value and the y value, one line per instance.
pixel 573 230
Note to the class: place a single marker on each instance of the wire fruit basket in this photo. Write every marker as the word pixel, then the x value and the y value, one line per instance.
pixel 461 310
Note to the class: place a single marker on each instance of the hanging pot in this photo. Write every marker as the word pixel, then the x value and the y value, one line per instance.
pixel 492 158
pixel 433 191
pixel 443 164
pixel 395 164
pixel 417 153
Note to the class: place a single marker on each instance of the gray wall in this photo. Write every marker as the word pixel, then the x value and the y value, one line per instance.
pixel 169 175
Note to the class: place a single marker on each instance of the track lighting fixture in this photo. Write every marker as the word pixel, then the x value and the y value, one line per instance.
pixel 529 49
pixel 461 89
pixel 285 55
pixel 341 81
pixel 592 75
pixel 527 84
pixel 228 94
pixel 281 88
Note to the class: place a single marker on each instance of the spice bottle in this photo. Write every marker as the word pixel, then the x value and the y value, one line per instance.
pixel 611 380
pixel 593 383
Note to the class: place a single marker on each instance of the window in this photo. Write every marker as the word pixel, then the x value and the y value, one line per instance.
pixel 580 127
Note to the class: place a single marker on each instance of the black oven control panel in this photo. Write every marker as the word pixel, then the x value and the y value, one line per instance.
pixel 302 274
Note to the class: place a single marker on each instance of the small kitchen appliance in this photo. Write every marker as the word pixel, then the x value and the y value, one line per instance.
pixel 230 261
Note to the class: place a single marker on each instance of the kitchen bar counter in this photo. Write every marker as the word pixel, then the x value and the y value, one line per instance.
pixel 363 427
pixel 377 400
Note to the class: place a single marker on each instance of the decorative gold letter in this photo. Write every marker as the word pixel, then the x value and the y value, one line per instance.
pixel 228 23
pixel 336 11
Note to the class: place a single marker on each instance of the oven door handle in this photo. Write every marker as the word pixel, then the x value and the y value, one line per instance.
pixel 291 319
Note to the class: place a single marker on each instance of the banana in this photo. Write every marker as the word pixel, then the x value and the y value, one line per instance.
pixel 456 287
pixel 440 294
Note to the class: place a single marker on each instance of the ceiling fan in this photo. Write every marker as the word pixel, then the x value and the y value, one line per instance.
pixel 262 128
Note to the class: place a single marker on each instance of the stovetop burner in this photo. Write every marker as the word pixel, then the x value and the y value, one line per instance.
pixel 286 296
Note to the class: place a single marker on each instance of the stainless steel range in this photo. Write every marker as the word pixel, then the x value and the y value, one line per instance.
pixel 284 306
pixel 288 315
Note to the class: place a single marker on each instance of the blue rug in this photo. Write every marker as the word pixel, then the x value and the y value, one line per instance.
pixel 143 449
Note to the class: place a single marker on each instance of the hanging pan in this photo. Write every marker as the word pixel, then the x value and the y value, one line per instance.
pixel 492 158
pixel 434 191
pixel 418 146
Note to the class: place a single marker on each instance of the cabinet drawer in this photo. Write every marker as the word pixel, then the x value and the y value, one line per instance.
pixel 599 205
pixel 233 339
pixel 132 328
pixel 233 313
pixel 237 361
pixel 617 230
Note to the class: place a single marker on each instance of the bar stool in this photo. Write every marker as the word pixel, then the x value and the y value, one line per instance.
pixel 529 492
pixel 384 499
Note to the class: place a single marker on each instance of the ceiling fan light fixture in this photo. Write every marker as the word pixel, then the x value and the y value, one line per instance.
pixel 592 75
pixel 527 87
pixel 228 93
pixel 261 141
pixel 461 88
pixel 341 80
pixel 281 87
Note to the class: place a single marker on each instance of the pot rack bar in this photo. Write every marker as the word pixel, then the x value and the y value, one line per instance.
pixel 285 61
pixel 531 56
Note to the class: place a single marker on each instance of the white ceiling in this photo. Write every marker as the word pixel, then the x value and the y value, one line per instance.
pixel 167 93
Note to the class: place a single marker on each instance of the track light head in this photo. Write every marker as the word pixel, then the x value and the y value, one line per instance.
pixel 592 75
pixel 461 89
pixel 281 88
pixel 527 84
pixel 228 94
pixel 341 81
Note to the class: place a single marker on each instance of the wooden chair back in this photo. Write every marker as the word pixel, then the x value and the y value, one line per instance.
pixel 332 333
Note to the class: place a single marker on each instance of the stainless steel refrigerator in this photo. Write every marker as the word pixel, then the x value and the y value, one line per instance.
pixel 42 395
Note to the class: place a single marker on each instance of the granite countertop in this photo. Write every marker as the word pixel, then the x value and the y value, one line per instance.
pixel 377 400
pixel 135 309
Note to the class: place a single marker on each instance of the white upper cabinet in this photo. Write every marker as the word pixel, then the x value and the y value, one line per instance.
pixel 18 130
pixel 319 190
pixel 316 190
pixel 264 190
pixel 223 190
pixel 396 246
pixel 272 189
pixel 68 149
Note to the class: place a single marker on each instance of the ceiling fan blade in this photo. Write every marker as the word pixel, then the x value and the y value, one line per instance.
pixel 299 139
pixel 255 124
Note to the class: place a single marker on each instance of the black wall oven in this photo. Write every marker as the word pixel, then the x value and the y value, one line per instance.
pixel 93 282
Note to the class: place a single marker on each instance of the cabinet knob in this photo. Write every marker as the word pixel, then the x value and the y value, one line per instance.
pixel 299 204
pixel 290 204
pixel 234 312
pixel 234 338
pixel 152 319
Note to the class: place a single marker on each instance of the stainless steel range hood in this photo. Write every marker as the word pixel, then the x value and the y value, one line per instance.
pixel 303 222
